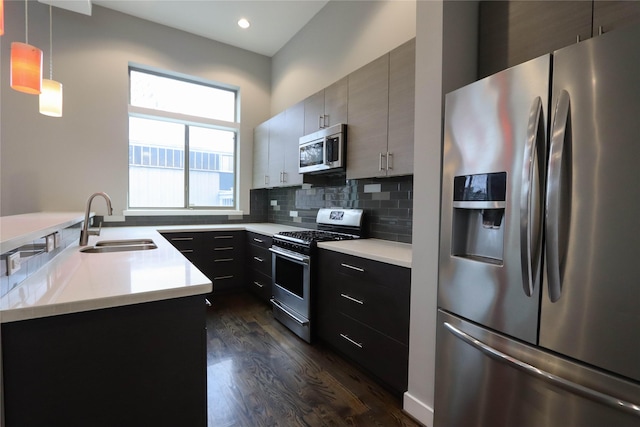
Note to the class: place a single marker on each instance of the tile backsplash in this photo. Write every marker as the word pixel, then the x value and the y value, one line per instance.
pixel 387 203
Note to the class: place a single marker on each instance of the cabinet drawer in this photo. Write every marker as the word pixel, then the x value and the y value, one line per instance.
pixel 257 239
pixel 383 357
pixel 259 259
pixel 226 282
pixel 364 270
pixel 260 284
pixel 218 239
pixel 376 294
pixel 184 242
pixel 382 308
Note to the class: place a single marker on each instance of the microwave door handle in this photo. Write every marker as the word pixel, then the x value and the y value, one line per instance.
pixel 558 203
pixel 328 151
pixel 531 199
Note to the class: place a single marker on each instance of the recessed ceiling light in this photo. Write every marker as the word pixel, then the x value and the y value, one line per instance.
pixel 243 23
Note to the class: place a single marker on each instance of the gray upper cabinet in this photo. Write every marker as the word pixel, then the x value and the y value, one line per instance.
pixel 609 15
pixel 377 102
pixel 402 77
pixel 381 115
pixel 261 155
pixel 513 32
pixel 275 149
pixel 293 130
pixel 368 112
pixel 326 108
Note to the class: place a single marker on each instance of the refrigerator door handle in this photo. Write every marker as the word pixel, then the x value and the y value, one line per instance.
pixel 558 203
pixel 548 377
pixel 531 199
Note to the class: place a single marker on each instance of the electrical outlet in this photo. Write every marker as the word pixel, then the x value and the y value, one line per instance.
pixel 13 263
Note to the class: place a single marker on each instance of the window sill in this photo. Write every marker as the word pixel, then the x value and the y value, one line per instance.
pixel 182 212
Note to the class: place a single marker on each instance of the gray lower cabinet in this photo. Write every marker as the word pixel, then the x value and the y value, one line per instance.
pixel 258 260
pixel 363 313
pixel 218 254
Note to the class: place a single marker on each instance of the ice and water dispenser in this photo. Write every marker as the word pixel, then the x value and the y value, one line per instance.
pixel 478 217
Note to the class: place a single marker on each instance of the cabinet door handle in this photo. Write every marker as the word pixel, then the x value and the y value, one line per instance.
pixel 223 260
pixel 361 270
pixel 186 251
pixel 258 259
pixel 380 167
pixel 258 240
pixel 223 237
pixel 181 239
pixel 350 298
pixel 320 121
pixel 258 284
pixel 266 180
pixel 224 248
pixel 357 344
pixel 222 277
pixel 389 160
pixel 325 120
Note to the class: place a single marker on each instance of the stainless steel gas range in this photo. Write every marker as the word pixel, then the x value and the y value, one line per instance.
pixel 293 262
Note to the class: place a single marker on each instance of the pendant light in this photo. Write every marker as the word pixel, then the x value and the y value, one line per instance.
pixel 26 63
pixel 51 95
pixel 1 17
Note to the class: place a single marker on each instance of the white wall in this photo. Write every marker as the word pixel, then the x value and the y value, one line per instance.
pixel 54 164
pixel 342 37
pixel 446 40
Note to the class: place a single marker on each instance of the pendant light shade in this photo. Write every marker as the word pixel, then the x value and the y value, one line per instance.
pixel 26 62
pixel 51 98
pixel 1 17
pixel 26 68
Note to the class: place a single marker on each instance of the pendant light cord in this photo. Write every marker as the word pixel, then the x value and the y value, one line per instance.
pixel 50 45
pixel 26 22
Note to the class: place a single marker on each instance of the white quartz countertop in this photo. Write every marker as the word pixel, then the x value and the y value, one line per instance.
pixel 74 281
pixel 378 250
pixel 17 230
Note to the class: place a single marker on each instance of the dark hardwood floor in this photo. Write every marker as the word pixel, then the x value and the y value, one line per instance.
pixel 261 374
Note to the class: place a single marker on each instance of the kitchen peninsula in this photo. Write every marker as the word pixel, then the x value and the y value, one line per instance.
pixel 103 339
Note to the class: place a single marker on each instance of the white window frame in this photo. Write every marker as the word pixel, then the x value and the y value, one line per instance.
pixel 233 212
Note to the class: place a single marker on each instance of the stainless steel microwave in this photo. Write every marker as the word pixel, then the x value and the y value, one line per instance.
pixel 323 150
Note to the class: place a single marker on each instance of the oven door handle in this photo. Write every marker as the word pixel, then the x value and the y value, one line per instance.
pixel 293 316
pixel 302 259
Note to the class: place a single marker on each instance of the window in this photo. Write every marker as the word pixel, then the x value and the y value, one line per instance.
pixel 182 142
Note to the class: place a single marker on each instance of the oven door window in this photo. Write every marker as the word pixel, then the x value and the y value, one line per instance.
pixel 312 154
pixel 290 276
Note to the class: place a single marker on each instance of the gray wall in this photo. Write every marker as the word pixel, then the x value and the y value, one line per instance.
pixel 342 37
pixel 446 40
pixel 54 164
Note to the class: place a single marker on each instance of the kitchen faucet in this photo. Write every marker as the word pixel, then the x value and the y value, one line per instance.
pixel 85 233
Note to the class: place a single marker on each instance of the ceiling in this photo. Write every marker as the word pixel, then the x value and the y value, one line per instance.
pixel 273 22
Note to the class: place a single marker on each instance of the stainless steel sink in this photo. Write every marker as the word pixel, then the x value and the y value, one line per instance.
pixel 120 246
pixel 125 242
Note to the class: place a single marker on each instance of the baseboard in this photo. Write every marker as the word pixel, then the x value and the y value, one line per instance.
pixel 418 410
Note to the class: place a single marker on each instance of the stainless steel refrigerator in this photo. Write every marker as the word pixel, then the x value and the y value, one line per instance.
pixel 539 280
